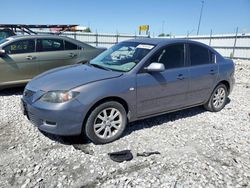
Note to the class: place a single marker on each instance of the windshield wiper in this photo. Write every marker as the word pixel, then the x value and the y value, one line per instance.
pixel 99 66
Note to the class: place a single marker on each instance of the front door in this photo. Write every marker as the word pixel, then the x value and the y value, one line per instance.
pixel 163 91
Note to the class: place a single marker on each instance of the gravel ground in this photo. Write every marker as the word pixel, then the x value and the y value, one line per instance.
pixel 198 149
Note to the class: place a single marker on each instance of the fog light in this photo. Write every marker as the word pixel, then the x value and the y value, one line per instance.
pixel 50 123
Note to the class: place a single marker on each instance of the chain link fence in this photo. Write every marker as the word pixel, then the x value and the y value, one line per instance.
pixel 235 46
pixel 99 39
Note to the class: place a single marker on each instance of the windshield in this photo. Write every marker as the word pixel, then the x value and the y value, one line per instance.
pixel 122 57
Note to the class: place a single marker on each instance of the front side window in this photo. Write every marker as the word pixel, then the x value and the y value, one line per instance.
pixel 70 46
pixel 22 46
pixel 123 56
pixel 198 55
pixel 44 45
pixel 171 56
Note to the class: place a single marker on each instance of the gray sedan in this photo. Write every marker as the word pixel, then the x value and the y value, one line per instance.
pixel 23 57
pixel 132 80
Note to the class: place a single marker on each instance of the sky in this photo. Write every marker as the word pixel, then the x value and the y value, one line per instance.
pixel 177 17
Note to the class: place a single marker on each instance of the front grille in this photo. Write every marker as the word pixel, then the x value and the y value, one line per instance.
pixel 34 120
pixel 28 93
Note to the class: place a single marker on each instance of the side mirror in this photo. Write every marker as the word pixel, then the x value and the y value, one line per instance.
pixel 2 52
pixel 155 67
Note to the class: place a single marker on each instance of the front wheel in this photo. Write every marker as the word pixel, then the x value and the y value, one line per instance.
pixel 218 99
pixel 106 122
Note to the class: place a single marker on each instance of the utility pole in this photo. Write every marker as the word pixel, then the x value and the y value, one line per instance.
pixel 163 26
pixel 235 40
pixel 202 3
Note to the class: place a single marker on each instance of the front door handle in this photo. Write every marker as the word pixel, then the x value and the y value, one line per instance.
pixel 180 77
pixel 29 57
pixel 72 55
pixel 212 71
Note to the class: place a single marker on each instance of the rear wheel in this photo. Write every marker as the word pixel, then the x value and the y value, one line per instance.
pixel 106 122
pixel 218 99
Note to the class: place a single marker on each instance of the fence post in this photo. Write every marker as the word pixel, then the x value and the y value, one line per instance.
pixel 117 35
pixel 211 32
pixel 75 35
pixel 96 39
pixel 235 40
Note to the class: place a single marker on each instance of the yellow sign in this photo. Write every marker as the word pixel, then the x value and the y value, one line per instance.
pixel 144 28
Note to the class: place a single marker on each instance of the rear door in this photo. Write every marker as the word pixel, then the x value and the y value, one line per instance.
pixel 52 53
pixel 18 64
pixel 203 74
pixel 163 91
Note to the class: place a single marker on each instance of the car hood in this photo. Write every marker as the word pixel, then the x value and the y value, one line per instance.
pixel 69 77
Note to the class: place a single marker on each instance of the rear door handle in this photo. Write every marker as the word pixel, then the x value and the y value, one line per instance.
pixel 180 77
pixel 29 57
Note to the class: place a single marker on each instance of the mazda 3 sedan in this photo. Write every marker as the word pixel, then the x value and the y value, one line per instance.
pixel 132 80
pixel 23 57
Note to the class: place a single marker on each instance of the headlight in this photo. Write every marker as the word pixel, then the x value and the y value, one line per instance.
pixel 59 96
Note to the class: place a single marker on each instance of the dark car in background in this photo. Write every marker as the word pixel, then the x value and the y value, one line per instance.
pixel 132 80
pixel 25 56
pixel 5 33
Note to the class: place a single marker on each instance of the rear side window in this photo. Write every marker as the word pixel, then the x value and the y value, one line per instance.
pixel 70 46
pixel 44 45
pixel 171 56
pixel 22 46
pixel 199 55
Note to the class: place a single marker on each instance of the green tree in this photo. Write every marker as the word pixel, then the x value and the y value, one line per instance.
pixel 87 30
pixel 164 35
pixel 161 35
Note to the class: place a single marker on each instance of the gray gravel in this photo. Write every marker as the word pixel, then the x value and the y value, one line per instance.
pixel 198 149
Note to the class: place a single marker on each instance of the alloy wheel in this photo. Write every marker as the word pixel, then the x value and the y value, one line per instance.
pixel 107 123
pixel 219 97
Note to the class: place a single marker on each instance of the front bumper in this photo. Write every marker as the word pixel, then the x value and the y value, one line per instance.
pixel 60 119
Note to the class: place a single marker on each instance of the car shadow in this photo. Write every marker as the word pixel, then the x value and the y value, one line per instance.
pixel 161 119
pixel 67 140
pixel 18 90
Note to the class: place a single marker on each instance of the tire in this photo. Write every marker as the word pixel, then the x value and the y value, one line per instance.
pixel 218 99
pixel 106 123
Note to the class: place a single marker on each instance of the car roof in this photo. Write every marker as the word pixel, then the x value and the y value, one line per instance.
pixel 17 37
pixel 163 41
pixel 166 41
pixel 37 36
